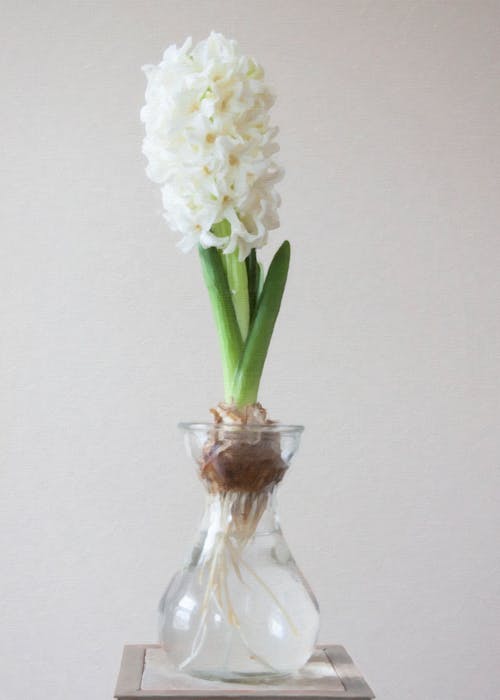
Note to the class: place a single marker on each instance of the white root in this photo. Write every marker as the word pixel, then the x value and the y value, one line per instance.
pixel 238 516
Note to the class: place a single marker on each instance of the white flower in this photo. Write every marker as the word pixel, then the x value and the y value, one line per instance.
pixel 209 144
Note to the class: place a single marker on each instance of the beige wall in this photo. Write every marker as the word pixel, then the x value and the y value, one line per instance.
pixel 387 347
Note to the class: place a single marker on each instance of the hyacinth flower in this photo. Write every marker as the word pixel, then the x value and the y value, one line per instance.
pixel 210 147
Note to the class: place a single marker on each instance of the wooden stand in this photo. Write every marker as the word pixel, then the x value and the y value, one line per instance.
pixel 330 673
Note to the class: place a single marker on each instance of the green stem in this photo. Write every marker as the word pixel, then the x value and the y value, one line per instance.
pixel 249 372
pixel 236 272
pixel 225 317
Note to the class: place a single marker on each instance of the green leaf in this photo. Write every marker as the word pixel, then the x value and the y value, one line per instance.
pixel 225 317
pixel 253 274
pixel 249 372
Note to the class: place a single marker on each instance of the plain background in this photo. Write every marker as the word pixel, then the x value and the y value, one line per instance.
pixel 387 347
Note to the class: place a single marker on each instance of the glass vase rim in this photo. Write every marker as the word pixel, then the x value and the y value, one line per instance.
pixel 205 426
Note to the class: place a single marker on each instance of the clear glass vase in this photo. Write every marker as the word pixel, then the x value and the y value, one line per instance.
pixel 240 609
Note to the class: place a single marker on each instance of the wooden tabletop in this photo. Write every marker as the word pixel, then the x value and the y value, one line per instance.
pixel 330 673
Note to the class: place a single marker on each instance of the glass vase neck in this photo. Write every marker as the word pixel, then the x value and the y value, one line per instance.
pixel 243 458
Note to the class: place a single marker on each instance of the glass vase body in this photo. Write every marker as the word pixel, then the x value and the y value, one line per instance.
pixel 240 609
